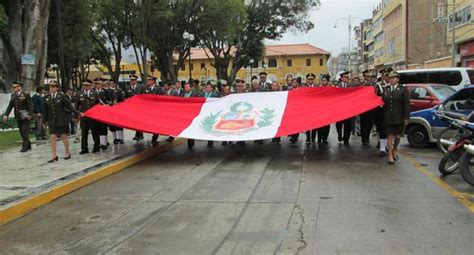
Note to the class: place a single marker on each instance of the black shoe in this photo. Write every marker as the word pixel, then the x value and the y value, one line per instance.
pixel 52 160
pixel 382 154
pixel 103 147
pixel 339 138
pixel 24 150
pixel 346 143
pixel 95 150
pixel 116 141
pixel 170 139
pixel 68 157
pixel 224 143
pixel 83 152
pixel 154 143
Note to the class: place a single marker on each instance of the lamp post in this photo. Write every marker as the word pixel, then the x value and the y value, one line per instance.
pixel 251 63
pixel 349 21
pixel 189 37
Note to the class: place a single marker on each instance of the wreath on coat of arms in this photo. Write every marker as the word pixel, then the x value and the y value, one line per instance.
pixel 240 119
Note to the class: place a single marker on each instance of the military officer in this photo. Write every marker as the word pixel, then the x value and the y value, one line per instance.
pixel 117 95
pixel 294 85
pixel 131 90
pixel 155 89
pixel 239 89
pixel 57 112
pixel 86 100
pixel 188 92
pixel 367 119
pixel 104 99
pixel 177 90
pixel 397 114
pixel 311 134
pixel 323 132
pixel 22 104
pixel 344 127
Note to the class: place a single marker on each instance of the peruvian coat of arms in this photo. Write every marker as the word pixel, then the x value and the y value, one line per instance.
pixel 241 119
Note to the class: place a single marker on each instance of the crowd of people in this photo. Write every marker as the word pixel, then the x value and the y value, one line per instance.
pixel 61 112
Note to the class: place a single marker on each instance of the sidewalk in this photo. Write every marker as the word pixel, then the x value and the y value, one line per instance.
pixel 24 176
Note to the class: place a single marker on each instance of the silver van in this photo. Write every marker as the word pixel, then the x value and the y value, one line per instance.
pixel 456 77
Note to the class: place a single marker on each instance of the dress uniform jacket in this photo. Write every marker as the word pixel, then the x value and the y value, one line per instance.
pixel 105 97
pixel 21 101
pixel 57 110
pixel 156 90
pixel 85 102
pixel 397 105
pixel 134 90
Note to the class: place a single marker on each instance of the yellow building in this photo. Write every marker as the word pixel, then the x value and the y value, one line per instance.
pixel 464 30
pixel 395 31
pixel 279 62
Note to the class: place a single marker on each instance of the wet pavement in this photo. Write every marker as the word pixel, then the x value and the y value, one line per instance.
pixel 258 199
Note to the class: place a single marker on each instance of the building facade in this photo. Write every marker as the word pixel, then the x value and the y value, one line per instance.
pixel 459 14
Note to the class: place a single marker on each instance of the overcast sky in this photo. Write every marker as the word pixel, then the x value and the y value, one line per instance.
pixel 324 35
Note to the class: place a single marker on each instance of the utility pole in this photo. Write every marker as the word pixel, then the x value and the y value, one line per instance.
pixel 453 39
pixel 62 79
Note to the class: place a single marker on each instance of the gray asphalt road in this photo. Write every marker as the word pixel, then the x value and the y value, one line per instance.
pixel 270 199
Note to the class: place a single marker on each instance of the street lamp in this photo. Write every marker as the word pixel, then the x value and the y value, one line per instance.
pixel 251 63
pixel 189 37
pixel 349 21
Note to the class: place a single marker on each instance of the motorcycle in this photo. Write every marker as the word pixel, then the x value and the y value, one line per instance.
pixel 452 133
pixel 455 151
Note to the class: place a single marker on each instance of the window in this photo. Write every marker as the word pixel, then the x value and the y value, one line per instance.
pixel 272 62
pixel 452 78
pixel 289 62
pixel 308 62
pixel 461 17
pixel 419 93
pixel 203 66
pixel 321 62
pixel 183 67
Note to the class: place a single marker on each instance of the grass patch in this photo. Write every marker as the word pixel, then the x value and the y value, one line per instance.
pixel 10 139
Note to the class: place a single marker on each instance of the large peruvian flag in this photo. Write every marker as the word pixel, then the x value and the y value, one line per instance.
pixel 239 117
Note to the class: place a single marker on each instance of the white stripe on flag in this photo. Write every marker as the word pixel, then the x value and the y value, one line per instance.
pixel 239 117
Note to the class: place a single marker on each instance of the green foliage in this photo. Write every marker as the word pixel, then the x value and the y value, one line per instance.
pixel 3 22
pixel 9 139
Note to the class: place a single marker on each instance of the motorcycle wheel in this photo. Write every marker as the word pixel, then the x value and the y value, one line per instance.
pixel 466 167
pixel 449 163
pixel 448 134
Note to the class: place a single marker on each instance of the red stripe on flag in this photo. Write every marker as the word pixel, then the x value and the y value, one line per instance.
pixel 310 108
pixel 155 114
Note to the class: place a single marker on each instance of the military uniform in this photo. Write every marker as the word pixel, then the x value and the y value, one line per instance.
pixel 155 90
pixel 310 134
pixel 117 95
pixel 85 101
pixel 212 94
pixel 344 128
pixel 396 109
pixel 367 119
pixel 23 112
pixel 323 132
pixel 131 91
pixel 104 99
pixel 188 95
pixel 58 107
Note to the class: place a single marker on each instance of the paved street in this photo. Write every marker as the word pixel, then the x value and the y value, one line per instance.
pixel 270 199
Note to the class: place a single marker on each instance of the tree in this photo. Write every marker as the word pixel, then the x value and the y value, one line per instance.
pixel 25 36
pixel 240 34
pixel 110 30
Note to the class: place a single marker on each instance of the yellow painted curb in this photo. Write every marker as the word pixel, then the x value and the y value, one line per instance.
pixel 22 207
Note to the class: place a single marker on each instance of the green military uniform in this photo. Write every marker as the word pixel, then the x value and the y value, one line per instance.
pixel 22 104
pixel 85 101
pixel 396 109
pixel 58 107
pixel 155 90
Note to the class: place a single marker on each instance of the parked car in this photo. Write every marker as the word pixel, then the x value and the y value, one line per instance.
pixel 423 96
pixel 424 126
pixel 456 77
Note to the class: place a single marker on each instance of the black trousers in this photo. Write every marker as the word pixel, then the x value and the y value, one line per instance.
pixel 24 128
pixel 295 137
pixel 379 123
pixel 311 134
pixel 367 120
pixel 102 128
pixel 138 135
pixel 323 133
pixel 92 125
pixel 154 138
pixel 114 128
pixel 344 129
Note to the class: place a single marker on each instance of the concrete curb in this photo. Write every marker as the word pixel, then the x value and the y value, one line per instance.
pixel 23 207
